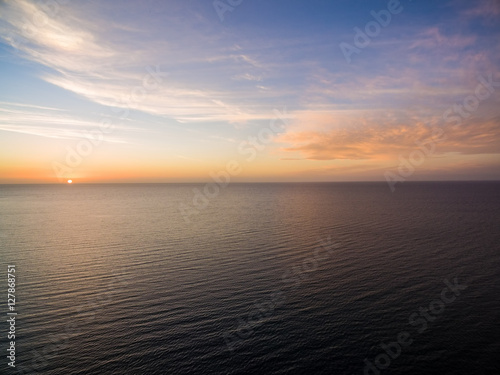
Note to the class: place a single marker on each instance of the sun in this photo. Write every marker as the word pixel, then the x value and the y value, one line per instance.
pixel 70 181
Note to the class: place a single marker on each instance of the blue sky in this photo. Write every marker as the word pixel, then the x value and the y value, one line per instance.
pixel 67 66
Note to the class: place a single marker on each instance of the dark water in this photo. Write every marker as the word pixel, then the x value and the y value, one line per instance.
pixel 112 280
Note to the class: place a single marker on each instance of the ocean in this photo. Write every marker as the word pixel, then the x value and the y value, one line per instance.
pixel 289 278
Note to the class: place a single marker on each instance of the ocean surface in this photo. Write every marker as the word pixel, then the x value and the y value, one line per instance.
pixel 256 279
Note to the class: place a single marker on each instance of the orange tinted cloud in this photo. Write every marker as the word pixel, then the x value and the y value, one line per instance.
pixel 385 140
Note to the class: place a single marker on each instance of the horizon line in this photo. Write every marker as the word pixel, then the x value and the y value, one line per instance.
pixel 239 182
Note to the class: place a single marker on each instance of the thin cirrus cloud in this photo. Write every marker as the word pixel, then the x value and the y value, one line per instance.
pixel 92 61
pixel 49 122
pixel 488 10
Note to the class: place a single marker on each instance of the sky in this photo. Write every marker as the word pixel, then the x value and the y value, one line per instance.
pixel 274 90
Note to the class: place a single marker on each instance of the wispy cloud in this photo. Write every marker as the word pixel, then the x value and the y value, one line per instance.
pixel 247 77
pixel 433 38
pixel 487 10
pixel 92 60
pixel 50 122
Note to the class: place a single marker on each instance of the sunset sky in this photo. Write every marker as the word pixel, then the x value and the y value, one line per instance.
pixel 172 91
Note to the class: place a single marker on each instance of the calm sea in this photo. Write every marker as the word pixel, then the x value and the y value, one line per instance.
pixel 341 278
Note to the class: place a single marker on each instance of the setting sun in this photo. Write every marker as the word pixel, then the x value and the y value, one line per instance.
pixel 70 181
